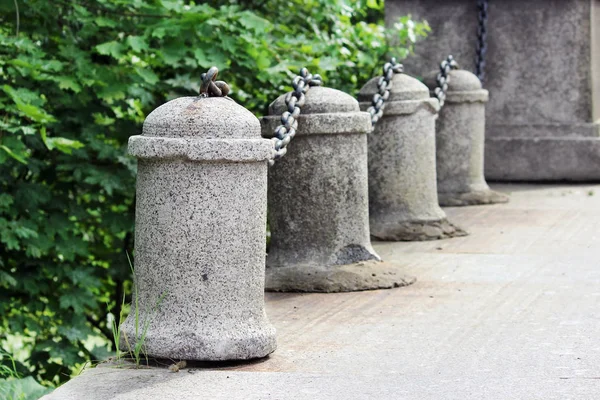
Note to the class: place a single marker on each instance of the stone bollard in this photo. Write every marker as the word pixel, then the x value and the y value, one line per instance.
pixel 460 143
pixel 318 202
pixel 403 200
pixel 200 232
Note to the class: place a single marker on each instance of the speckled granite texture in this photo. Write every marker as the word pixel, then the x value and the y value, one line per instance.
pixel 403 201
pixel 200 232
pixel 460 136
pixel 318 201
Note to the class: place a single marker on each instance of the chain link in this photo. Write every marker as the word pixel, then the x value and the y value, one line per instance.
pixel 442 78
pixel 294 101
pixel 210 87
pixel 482 7
pixel 384 85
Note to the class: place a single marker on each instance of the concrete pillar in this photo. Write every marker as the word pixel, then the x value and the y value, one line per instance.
pixel 200 232
pixel 460 135
pixel 403 200
pixel 318 201
pixel 542 70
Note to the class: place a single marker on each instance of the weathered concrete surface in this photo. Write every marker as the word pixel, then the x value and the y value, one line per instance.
pixel 549 158
pixel 460 142
pixel 542 71
pixel 403 200
pixel 510 312
pixel 318 201
pixel 363 275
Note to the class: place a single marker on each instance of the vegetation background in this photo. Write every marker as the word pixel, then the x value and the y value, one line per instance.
pixel 77 78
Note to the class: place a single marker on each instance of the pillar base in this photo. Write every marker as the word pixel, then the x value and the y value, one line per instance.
pixel 413 231
pixel 223 341
pixel 364 275
pixel 480 197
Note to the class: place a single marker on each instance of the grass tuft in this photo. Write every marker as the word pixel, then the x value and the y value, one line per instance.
pixel 141 328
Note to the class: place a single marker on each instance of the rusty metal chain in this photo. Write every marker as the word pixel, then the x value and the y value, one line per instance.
pixel 481 50
pixel 210 87
pixel 384 84
pixel 442 79
pixel 294 101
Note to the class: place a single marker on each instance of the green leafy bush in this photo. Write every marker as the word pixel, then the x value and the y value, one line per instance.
pixel 78 78
pixel 15 387
pixel 22 389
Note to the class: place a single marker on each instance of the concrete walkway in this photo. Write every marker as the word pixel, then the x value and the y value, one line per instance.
pixel 510 312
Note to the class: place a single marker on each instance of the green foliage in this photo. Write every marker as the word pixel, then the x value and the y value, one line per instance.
pixel 137 351
pixel 13 386
pixel 22 389
pixel 8 366
pixel 115 322
pixel 77 79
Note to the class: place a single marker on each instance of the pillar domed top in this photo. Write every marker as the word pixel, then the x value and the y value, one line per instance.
pixel 463 86
pixel 320 100
pixel 459 80
pixel 325 111
pixel 213 129
pixel 202 118
pixel 404 87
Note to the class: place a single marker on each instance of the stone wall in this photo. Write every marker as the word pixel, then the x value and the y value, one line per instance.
pixel 543 118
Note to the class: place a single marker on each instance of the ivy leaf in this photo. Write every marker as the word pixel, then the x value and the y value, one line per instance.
pixel 9 239
pixel 173 54
pixel 24 232
pixel 171 5
pixel 159 32
pixel 374 4
pixel 111 93
pixel 6 200
pixel 263 61
pixel 17 157
pixel 29 110
pixel 148 76
pixel 103 120
pixel 70 300
pixel 7 280
pixel 63 144
pixel 53 65
pixel 105 22
pixel 66 82
pixel 112 48
pixel 252 21
pixel 35 113
pixel 27 130
pixel 137 43
pixel 33 251
pixel 207 59
pixel 60 143
pixel 23 388
pixel 18 62
pixel 70 332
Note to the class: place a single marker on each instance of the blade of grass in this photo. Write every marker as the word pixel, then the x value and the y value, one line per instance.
pixel 139 346
pixel 140 337
pixel 116 328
